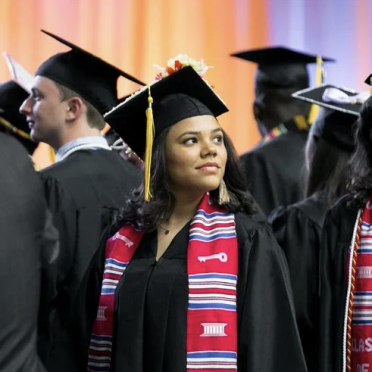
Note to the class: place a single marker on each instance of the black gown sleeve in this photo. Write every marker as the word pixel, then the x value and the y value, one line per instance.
pixel 22 216
pixel 50 250
pixel 336 239
pixel 268 335
pixel 326 325
pixel 65 215
pixel 299 237
pixel 70 352
pixel 64 212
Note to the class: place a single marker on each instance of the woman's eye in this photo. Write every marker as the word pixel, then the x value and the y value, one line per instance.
pixel 189 141
pixel 218 139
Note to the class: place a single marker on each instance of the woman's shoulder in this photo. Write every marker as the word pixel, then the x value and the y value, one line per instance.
pixel 250 224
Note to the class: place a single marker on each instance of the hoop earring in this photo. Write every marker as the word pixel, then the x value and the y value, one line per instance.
pixel 223 194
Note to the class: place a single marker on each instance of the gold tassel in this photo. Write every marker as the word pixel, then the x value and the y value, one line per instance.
pixel 223 194
pixel 148 150
pixel 15 130
pixel 52 154
pixel 318 81
pixel 301 122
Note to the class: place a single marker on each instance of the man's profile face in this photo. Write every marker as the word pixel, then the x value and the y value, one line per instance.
pixel 44 110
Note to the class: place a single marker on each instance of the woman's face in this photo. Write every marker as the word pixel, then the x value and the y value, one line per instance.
pixel 196 155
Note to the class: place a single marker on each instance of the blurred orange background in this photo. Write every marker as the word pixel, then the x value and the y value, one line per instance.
pixel 134 34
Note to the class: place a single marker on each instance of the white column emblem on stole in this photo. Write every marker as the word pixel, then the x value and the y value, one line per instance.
pixel 214 330
pixel 364 272
pixel 101 313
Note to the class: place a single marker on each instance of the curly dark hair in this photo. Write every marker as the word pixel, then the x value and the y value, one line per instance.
pixel 146 216
pixel 360 185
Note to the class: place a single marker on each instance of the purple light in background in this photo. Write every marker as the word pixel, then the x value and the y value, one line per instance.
pixel 328 27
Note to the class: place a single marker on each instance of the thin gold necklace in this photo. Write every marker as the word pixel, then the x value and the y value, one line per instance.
pixel 167 231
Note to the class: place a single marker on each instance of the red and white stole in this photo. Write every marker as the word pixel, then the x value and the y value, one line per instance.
pixel 212 268
pixel 359 312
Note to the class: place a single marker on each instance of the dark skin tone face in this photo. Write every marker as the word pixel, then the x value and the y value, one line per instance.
pixel 265 118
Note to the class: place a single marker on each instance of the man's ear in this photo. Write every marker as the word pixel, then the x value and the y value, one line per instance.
pixel 75 107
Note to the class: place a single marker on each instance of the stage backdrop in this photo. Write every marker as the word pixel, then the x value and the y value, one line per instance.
pixel 134 34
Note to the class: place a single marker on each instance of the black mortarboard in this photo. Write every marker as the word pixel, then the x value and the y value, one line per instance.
pixel 11 99
pixel 369 80
pixel 178 96
pixel 91 77
pixel 341 107
pixel 280 67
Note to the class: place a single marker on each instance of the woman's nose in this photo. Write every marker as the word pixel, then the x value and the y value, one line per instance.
pixel 209 150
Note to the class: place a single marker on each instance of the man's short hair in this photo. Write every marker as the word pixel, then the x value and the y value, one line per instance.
pixel 94 118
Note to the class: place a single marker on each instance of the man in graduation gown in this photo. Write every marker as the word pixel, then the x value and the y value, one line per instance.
pixel 89 183
pixel 11 121
pixel 274 168
pixel 29 244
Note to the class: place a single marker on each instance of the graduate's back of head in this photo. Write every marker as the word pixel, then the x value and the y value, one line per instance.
pixel 273 106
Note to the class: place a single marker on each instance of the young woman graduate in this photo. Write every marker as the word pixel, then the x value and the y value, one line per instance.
pixel 298 227
pixel 345 266
pixel 190 278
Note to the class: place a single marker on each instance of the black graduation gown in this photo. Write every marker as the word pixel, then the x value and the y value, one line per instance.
pixel 84 192
pixel 151 308
pixel 338 231
pixel 298 230
pixel 274 170
pixel 24 249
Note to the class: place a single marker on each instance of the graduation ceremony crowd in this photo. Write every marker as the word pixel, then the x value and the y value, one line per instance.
pixel 154 247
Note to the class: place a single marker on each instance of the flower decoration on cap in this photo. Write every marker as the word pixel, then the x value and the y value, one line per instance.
pixel 338 96
pixel 178 62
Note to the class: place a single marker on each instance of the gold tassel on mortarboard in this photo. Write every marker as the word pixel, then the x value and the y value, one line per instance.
pixel 15 130
pixel 52 154
pixel 148 150
pixel 318 81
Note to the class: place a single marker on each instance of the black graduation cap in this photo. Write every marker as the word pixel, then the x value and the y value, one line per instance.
pixel 341 108
pixel 91 77
pixel 178 96
pixel 280 67
pixel 369 80
pixel 11 99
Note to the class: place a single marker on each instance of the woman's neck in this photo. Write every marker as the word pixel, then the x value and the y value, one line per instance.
pixel 184 209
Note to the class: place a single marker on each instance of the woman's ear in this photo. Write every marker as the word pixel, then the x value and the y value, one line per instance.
pixel 74 108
